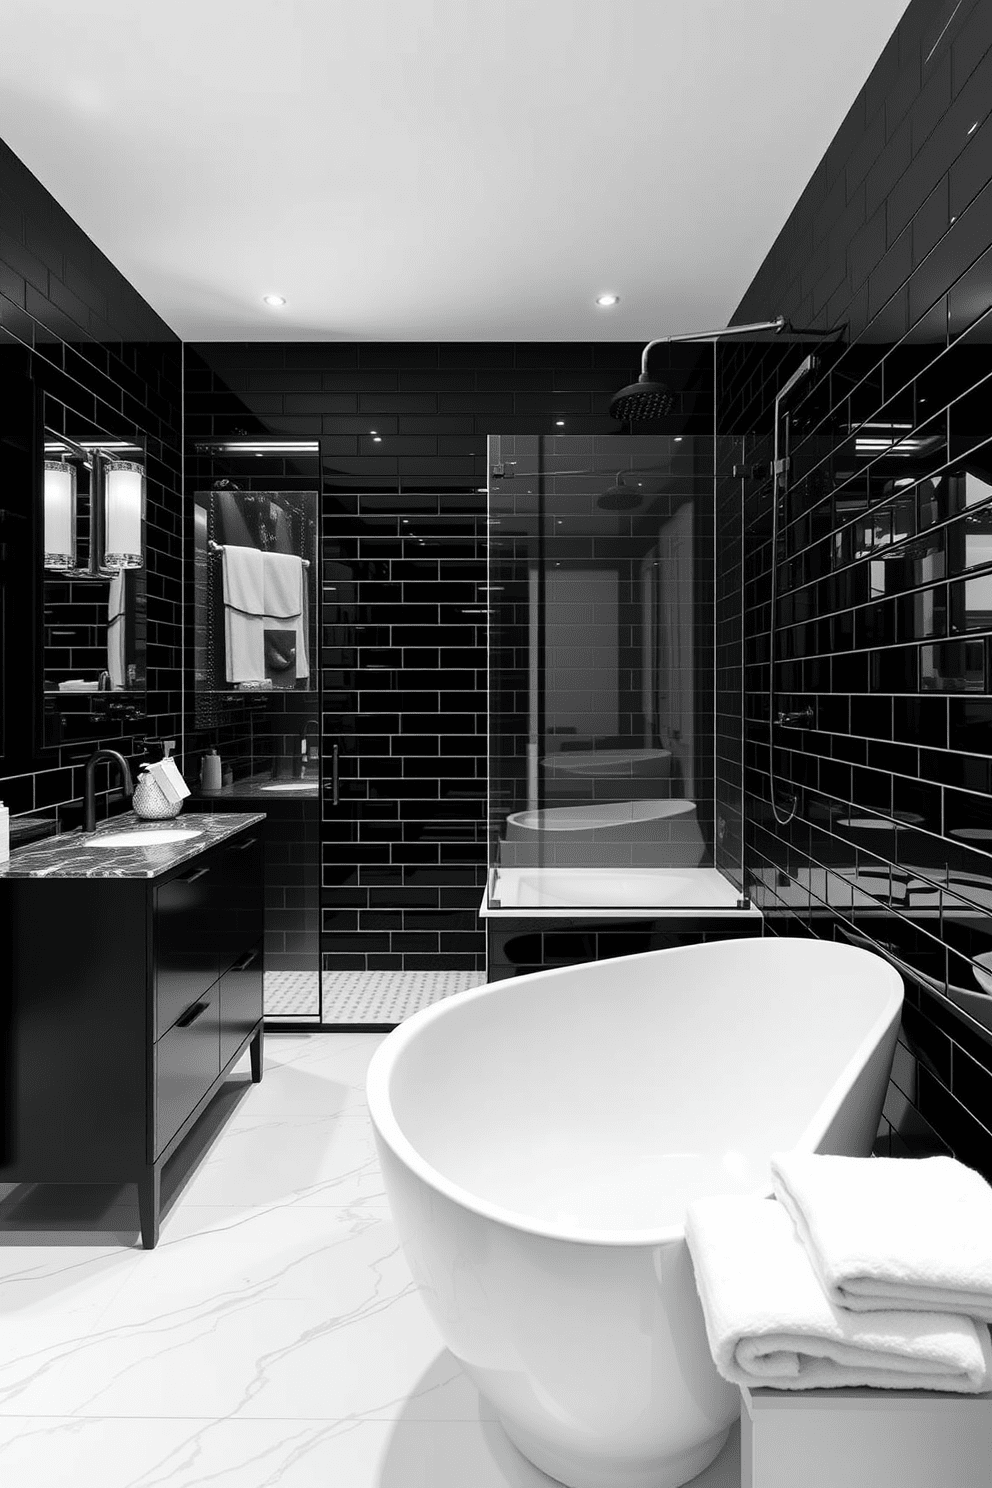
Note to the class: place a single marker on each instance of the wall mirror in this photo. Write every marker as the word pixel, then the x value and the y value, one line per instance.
pixel 93 560
pixel 255 603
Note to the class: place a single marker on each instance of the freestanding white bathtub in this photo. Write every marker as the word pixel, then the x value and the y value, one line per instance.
pixel 541 1137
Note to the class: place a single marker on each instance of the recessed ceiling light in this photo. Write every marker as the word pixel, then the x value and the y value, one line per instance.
pixel 274 300
pixel 559 423
pixel 607 299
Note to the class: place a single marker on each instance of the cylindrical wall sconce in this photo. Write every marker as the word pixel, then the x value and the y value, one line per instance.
pixel 124 510
pixel 60 515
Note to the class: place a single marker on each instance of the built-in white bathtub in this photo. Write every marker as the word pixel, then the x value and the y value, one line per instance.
pixel 644 892
pixel 541 1137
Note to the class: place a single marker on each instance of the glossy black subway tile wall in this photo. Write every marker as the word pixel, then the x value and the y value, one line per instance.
pixel 884 621
pixel 402 432
pixel 75 333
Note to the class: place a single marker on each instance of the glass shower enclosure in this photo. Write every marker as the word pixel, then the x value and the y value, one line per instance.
pixel 604 743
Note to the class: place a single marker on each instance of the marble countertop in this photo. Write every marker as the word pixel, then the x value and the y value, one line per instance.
pixel 260 788
pixel 77 855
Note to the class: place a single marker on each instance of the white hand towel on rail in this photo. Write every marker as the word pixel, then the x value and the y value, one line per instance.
pixel 244 601
pixel 284 585
pixel 770 1323
pixel 893 1232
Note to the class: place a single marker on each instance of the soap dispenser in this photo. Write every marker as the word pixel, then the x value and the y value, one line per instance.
pixel 211 771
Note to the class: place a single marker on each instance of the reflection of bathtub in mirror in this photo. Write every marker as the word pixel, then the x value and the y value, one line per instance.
pixel 639 833
pixel 640 764
pixel 608 774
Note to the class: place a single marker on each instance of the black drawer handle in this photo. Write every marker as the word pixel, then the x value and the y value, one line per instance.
pixel 192 877
pixel 244 846
pixel 246 961
pixel 191 1014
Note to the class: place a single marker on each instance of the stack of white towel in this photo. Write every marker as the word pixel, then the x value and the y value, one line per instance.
pixel 861 1271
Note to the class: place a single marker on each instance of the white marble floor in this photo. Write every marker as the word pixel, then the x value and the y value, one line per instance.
pixel 274 1339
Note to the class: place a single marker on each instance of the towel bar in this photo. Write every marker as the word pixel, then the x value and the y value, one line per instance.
pixel 216 547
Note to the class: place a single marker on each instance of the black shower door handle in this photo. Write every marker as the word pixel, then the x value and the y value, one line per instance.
pixel 335 779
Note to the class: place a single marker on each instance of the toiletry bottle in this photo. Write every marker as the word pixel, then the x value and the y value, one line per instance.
pixel 4 833
pixel 210 771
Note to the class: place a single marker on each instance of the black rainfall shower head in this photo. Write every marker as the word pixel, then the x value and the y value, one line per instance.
pixel 643 399
pixel 619 497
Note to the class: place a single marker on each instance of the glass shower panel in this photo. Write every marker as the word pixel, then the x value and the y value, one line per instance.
pixel 254 650
pixel 602 675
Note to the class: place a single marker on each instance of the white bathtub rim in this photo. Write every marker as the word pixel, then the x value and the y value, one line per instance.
pixel 561 818
pixel 388 1129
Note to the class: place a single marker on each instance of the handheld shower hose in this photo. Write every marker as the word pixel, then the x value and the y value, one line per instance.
pixel 779 473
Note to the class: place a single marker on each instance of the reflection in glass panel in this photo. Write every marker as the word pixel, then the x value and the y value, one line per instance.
pixel 601 589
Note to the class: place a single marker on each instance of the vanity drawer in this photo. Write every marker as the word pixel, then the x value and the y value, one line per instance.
pixel 185 940
pixel 240 1001
pixel 187 1061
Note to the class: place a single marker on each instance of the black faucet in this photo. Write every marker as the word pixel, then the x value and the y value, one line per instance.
pixel 89 793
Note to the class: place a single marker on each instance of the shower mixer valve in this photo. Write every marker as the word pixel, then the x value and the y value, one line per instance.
pixel 801 718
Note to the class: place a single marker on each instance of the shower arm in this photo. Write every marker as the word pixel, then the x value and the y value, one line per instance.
pixel 776 325
pixel 779 473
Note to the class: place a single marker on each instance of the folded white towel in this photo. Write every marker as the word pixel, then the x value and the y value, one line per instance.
pixel 770 1323
pixel 893 1232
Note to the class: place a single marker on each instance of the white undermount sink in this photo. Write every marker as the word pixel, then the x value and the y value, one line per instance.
pixel 148 837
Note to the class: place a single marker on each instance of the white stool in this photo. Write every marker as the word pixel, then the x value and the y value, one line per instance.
pixel 865 1439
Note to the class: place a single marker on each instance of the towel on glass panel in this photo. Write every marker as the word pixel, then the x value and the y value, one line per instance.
pixel 265 614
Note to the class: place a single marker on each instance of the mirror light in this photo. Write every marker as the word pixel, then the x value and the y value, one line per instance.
pixel 124 497
pixel 60 515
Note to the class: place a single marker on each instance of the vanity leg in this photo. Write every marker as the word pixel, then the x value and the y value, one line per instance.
pixel 149 1199
pixel 255 1049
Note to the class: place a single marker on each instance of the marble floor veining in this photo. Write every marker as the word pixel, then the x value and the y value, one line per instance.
pixel 274 1337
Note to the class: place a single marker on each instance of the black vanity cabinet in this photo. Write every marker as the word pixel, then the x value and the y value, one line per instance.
pixel 130 1000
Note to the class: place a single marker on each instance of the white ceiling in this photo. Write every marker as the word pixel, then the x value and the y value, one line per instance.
pixel 433 169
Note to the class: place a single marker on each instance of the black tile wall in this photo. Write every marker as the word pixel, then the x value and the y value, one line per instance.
pixel 402 432
pixel 73 324
pixel 884 623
